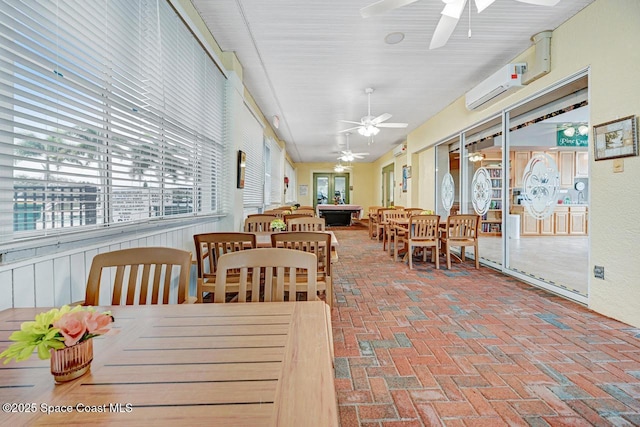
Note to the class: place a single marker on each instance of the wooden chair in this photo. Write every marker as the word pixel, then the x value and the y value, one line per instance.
pixel 258 222
pixel 145 275
pixel 386 232
pixel 282 208
pixel 379 222
pixel 462 230
pixel 305 207
pixel 413 211
pixel 209 247
pixel 278 213
pixel 308 212
pixel 317 243
pixel 306 223
pixel 373 219
pixel 278 266
pixel 422 233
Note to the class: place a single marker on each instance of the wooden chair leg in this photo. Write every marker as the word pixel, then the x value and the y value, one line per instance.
pixel 410 255
pixel 477 257
pixel 435 254
pixel 448 250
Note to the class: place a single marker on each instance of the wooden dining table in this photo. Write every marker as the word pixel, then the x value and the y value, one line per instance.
pixel 253 364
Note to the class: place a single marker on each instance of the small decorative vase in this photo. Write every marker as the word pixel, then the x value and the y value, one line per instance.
pixel 70 363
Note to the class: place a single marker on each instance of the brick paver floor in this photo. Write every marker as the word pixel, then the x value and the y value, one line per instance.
pixel 466 347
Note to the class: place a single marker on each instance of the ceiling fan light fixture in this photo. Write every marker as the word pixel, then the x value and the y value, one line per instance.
pixel 475 157
pixel 338 168
pixel 368 130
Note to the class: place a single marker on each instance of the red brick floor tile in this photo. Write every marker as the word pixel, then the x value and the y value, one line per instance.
pixel 428 414
pixel 404 404
pixel 484 422
pixel 348 416
pixel 479 403
pixel 402 423
pixel 454 409
pixel 354 396
pixel 377 412
pixel 380 390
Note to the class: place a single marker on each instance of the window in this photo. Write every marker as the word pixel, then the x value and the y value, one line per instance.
pixel 110 112
pixel 252 144
pixel 274 189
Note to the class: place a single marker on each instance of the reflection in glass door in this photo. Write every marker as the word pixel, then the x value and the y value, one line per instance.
pixel 330 188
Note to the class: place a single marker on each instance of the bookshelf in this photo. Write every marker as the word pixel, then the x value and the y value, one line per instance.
pixel 491 222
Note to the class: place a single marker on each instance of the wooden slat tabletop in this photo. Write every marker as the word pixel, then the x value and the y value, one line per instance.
pixel 248 364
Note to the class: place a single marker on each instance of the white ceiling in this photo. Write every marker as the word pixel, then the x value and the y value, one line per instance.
pixel 309 61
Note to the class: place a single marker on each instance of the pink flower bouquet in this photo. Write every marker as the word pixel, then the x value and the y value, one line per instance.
pixel 56 329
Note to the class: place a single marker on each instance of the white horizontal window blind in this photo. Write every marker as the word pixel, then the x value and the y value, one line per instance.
pixel 277 178
pixel 110 112
pixel 253 146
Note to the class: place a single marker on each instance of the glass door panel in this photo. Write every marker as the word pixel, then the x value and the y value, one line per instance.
pixel 484 181
pixel 448 178
pixel 340 192
pixel 388 185
pixel 549 239
pixel 321 188
pixel 330 188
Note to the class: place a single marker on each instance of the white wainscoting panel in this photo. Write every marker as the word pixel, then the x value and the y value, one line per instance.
pixel 58 279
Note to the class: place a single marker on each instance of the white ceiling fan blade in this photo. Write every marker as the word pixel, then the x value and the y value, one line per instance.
pixel 393 125
pixel 350 129
pixel 361 155
pixel 443 31
pixel 381 118
pixel 549 3
pixel 483 4
pixel 454 9
pixel 349 121
pixel 383 6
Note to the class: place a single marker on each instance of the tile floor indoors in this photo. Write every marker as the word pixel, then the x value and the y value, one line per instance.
pixel 471 347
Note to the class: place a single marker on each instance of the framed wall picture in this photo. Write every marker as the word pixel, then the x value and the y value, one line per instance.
pixel 617 138
pixel 242 165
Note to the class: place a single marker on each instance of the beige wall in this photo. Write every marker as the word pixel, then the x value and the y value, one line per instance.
pixel 614 52
pixel 603 37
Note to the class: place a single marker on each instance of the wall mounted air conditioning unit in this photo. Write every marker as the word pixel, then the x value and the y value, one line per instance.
pixel 500 84
pixel 399 150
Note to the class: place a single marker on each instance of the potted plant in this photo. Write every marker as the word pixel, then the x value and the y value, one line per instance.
pixel 64 335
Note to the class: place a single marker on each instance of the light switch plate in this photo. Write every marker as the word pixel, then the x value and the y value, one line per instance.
pixel 618 165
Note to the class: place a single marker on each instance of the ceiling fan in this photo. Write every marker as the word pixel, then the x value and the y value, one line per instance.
pixel 450 14
pixel 369 125
pixel 348 155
